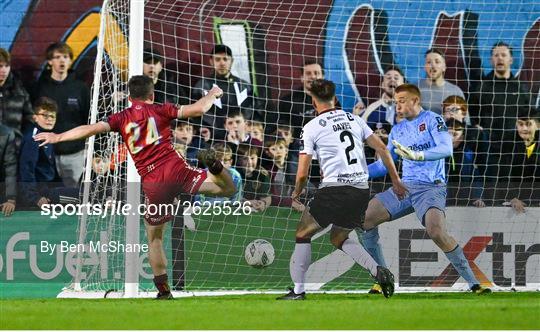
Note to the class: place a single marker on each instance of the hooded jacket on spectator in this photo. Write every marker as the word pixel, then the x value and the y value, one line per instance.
pixel 8 162
pixel 15 106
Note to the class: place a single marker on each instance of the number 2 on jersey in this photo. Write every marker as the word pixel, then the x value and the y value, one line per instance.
pixel 349 148
pixel 133 132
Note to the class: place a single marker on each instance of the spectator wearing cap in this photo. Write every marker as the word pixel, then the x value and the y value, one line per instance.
pixel 237 93
pixel 435 88
pixel 167 89
pixel 72 96
pixel 15 105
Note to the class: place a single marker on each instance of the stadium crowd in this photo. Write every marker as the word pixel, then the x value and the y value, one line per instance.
pixel 494 129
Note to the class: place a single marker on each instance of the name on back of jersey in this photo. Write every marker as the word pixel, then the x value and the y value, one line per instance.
pixel 341 126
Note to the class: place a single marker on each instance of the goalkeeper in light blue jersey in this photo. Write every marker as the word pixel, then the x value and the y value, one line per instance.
pixel 423 142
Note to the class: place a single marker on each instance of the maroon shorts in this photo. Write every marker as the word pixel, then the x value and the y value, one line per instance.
pixel 166 182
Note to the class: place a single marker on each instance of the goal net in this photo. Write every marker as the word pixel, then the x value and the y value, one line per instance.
pixel 275 46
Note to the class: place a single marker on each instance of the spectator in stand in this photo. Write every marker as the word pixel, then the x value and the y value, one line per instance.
pixel 524 163
pixel 464 177
pixel 167 89
pixel 235 126
pixel 237 93
pixel 383 112
pixel 186 142
pixel 73 99
pixel 225 155
pixel 257 179
pixel 381 115
pixel 382 130
pixel 15 105
pixel 281 189
pixel 435 88
pixel 255 129
pixel 455 107
pixel 205 134
pixel 285 132
pixel 39 180
pixel 8 170
pixel 497 102
pixel 296 108
pixel 236 134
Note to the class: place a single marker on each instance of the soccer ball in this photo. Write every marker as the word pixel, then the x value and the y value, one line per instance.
pixel 259 253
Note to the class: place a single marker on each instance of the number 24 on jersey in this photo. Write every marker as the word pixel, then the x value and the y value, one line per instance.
pixel 133 133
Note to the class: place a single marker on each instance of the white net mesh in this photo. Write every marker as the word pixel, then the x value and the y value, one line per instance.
pixel 274 46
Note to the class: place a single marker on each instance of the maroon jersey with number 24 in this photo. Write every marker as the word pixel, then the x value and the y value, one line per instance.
pixel 146 131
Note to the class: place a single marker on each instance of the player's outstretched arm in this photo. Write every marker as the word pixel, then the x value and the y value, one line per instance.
pixel 376 144
pixel 201 106
pixel 77 133
pixel 378 168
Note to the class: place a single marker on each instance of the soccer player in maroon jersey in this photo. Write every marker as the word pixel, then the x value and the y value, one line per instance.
pixel 145 128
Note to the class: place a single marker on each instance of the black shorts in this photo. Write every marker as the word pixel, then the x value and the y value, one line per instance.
pixel 343 206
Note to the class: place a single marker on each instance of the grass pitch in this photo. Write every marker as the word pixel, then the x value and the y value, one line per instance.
pixel 320 311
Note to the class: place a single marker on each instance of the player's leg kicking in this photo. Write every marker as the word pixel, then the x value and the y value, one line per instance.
pixel 385 207
pixel 301 257
pixel 161 187
pixel 219 181
pixel 340 239
pixel 436 229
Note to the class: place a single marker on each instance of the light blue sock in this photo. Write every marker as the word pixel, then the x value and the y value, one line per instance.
pixel 370 240
pixel 458 260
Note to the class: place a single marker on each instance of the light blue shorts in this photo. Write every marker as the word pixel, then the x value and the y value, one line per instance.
pixel 421 198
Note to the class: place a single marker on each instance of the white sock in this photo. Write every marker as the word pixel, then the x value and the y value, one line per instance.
pixel 300 260
pixel 359 255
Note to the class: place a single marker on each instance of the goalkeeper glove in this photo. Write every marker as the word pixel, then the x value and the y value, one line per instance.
pixel 406 153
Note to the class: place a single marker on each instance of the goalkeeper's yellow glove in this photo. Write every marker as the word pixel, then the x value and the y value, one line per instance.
pixel 406 153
